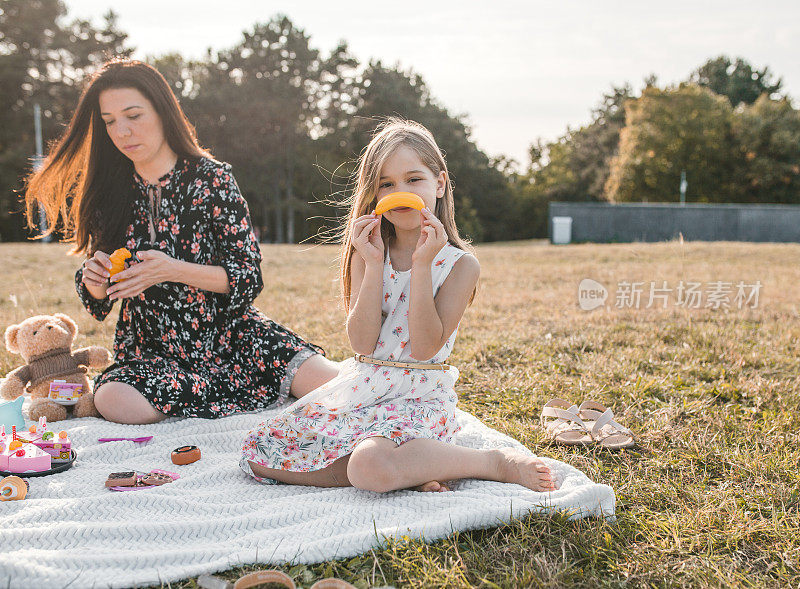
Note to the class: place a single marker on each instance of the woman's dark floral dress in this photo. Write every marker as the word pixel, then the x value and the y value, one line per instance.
pixel 191 352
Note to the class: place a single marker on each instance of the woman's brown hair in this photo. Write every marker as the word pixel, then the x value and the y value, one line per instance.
pixel 388 136
pixel 85 180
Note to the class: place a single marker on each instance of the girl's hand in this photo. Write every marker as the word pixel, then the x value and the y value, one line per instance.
pixel 155 267
pixel 96 271
pixel 367 238
pixel 432 238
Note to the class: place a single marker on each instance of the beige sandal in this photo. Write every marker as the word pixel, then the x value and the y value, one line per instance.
pixel 562 422
pixel 599 420
pixel 261 577
pixel 268 576
pixel 332 583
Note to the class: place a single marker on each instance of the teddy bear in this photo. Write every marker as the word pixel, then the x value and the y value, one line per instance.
pixel 45 343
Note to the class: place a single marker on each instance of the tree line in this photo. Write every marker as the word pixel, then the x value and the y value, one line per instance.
pixel 292 119
pixel 728 126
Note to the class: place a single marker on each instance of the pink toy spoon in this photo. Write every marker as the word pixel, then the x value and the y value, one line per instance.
pixel 137 440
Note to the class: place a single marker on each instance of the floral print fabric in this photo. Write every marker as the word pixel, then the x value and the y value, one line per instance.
pixel 191 352
pixel 366 400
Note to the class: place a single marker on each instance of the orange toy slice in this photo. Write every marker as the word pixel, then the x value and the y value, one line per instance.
pixel 399 199
pixel 118 260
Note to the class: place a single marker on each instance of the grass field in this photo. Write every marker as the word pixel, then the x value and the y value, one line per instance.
pixel 710 498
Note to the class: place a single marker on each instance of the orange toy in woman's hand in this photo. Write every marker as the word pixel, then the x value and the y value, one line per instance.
pixel 118 260
pixel 399 199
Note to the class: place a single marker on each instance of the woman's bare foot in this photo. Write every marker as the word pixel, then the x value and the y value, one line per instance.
pixel 432 487
pixel 515 467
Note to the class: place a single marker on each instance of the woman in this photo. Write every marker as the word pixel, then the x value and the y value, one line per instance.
pixel 129 172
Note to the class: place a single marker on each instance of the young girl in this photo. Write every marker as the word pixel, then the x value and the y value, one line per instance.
pixel 385 422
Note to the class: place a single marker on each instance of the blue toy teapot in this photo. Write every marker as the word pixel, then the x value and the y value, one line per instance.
pixel 11 414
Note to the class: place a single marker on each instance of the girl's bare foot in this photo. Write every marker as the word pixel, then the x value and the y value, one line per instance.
pixel 515 467
pixel 432 487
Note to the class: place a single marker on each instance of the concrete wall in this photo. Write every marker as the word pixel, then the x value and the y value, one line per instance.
pixel 602 222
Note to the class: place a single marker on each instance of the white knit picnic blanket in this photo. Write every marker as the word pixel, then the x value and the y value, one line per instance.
pixel 72 531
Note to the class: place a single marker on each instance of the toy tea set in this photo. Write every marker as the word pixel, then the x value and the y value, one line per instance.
pixel 40 451
pixel 36 452
pixel 54 377
pixel 133 481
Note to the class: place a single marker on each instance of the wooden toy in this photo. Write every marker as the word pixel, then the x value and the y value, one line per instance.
pixel 19 455
pixel 397 200
pixel 13 488
pixel 155 478
pixel 38 451
pixel 122 479
pixel 58 445
pixel 65 393
pixel 185 455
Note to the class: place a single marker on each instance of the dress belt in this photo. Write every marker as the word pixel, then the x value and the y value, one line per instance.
pixel 415 365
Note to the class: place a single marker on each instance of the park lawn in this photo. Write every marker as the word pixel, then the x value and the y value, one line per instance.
pixel 710 498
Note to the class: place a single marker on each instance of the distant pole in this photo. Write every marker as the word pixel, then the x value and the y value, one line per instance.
pixel 38 160
pixel 683 187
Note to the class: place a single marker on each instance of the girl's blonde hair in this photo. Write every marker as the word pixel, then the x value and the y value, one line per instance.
pixel 387 137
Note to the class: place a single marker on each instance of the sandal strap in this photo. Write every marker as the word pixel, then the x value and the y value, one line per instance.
pixel 261 577
pixel 607 419
pixel 592 405
pixel 562 420
pixel 559 403
pixel 568 426
pixel 332 583
pixel 562 414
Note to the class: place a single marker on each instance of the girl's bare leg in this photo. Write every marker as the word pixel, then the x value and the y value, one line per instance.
pixel 378 464
pixel 334 475
pixel 312 373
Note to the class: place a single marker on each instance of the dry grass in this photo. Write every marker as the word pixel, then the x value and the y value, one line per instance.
pixel 709 499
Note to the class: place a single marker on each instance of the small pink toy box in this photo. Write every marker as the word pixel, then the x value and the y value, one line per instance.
pixel 65 393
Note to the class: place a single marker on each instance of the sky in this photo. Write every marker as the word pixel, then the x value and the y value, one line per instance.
pixel 518 69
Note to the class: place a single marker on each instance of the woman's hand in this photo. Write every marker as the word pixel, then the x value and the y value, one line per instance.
pixel 432 238
pixel 367 238
pixel 154 267
pixel 96 270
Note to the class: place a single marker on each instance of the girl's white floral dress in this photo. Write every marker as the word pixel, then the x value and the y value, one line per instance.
pixel 366 400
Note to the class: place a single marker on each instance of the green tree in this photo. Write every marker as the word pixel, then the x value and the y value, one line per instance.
pixel 43 60
pixel 483 198
pixel 768 135
pixel 574 167
pixel 737 80
pixel 668 130
pixel 292 121
pixel 255 105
